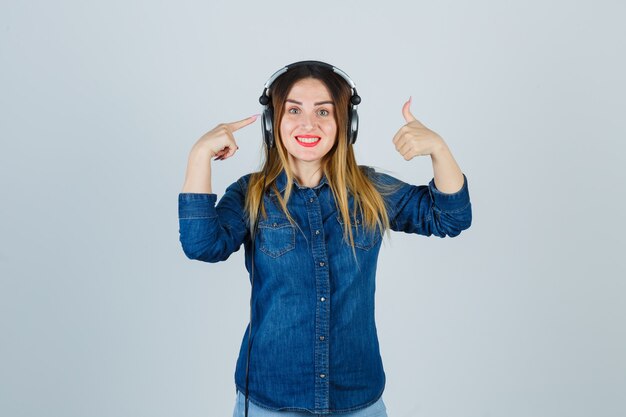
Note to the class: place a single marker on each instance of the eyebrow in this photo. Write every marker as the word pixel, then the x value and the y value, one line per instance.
pixel 315 104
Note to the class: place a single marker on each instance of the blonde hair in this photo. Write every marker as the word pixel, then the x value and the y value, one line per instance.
pixel 339 165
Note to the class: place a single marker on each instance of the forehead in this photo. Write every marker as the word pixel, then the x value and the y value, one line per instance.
pixel 309 89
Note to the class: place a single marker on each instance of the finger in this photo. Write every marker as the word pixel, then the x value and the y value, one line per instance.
pixel 412 148
pixel 406 148
pixel 409 154
pixel 406 111
pixel 242 123
pixel 222 151
pixel 230 152
pixel 220 154
pixel 404 152
pixel 399 135
pixel 399 143
pixel 408 116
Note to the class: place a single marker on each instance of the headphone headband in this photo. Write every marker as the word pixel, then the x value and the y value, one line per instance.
pixel 332 68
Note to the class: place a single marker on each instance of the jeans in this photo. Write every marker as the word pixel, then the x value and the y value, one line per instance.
pixel 375 410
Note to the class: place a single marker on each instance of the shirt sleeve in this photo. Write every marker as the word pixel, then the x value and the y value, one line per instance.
pixel 423 209
pixel 210 232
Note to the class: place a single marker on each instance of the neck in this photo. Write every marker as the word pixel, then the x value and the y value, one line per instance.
pixel 308 174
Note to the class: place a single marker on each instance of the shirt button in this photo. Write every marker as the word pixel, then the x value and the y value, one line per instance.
pixel 322 375
pixel 323 299
pixel 322 264
pixel 322 338
pixel 317 232
pixel 311 200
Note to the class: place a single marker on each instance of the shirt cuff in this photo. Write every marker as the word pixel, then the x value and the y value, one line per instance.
pixel 196 205
pixel 450 202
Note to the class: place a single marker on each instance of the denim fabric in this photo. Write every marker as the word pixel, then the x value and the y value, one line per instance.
pixel 378 409
pixel 314 341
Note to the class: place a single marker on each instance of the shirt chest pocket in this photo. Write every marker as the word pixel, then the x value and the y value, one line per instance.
pixel 364 238
pixel 276 236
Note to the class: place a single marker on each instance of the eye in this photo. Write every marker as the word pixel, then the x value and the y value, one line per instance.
pixel 323 112
pixel 293 110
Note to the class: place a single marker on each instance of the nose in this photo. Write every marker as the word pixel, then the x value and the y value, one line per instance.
pixel 308 121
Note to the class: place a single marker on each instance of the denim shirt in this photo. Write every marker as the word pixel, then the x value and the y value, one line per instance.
pixel 314 341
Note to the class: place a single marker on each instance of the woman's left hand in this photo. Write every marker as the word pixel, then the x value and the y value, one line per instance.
pixel 414 139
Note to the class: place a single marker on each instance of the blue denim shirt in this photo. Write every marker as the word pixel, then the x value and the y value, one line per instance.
pixel 314 343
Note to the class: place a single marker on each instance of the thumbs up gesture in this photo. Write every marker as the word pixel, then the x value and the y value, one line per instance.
pixel 414 139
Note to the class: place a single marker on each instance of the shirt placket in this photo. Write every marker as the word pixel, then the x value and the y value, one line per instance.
pixel 322 294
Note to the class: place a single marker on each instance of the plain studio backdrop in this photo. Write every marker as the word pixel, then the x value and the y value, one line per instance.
pixel 102 315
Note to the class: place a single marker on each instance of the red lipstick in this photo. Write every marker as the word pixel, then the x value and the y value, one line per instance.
pixel 308 144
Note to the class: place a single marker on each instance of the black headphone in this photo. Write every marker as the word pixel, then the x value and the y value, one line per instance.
pixel 267 119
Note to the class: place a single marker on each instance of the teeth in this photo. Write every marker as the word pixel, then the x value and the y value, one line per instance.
pixel 307 140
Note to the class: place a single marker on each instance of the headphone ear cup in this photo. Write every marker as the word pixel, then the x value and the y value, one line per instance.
pixel 353 125
pixel 267 126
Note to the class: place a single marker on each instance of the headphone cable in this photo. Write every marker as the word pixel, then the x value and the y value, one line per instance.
pixel 253 244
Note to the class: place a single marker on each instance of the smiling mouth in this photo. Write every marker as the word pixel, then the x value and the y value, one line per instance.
pixel 308 140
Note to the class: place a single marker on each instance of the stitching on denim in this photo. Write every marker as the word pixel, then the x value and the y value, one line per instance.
pixel 360 231
pixel 290 241
pixel 198 217
pixel 455 210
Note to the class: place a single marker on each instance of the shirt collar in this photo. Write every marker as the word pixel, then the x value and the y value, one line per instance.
pixel 281 182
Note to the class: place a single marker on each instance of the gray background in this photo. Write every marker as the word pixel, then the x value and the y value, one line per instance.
pixel 101 314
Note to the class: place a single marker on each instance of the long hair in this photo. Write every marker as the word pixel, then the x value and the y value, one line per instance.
pixel 339 165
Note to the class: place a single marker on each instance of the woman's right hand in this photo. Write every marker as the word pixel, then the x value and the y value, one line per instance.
pixel 220 142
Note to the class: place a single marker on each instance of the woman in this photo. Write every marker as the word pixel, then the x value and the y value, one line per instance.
pixel 311 223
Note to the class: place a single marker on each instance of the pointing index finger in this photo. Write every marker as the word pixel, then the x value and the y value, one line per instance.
pixel 242 123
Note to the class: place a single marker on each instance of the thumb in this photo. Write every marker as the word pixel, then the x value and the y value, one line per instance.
pixel 406 112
